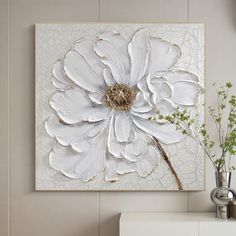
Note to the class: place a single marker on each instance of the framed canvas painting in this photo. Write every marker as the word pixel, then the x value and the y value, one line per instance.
pixel 97 85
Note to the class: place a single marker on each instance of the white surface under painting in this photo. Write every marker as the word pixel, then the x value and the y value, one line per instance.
pixel 96 87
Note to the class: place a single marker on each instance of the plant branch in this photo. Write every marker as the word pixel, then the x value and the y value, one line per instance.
pixel 189 125
pixel 206 150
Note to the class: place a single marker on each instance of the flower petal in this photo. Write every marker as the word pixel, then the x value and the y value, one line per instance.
pixel 153 155
pixel 61 86
pixel 85 48
pixel 123 127
pixel 138 51
pixel 139 157
pixel 142 85
pixel 165 133
pixel 135 149
pixel 160 89
pixel 97 98
pixel 76 136
pixel 114 147
pixel 166 107
pixel 112 49
pixel 111 169
pixel 107 75
pixel 178 75
pixel 125 167
pixel 185 86
pixel 73 106
pixel 143 165
pixel 118 166
pixel 59 79
pixel 163 55
pixel 146 165
pixel 145 115
pixel 140 105
pixel 84 166
pixel 81 73
pixel 186 93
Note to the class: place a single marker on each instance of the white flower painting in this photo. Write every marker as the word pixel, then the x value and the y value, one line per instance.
pixel 102 83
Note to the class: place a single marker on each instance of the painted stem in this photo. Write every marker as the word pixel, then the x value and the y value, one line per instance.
pixel 167 160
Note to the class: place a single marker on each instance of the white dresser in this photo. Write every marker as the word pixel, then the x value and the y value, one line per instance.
pixel 175 224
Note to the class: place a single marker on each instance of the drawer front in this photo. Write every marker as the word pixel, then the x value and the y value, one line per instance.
pixel 217 228
pixel 159 229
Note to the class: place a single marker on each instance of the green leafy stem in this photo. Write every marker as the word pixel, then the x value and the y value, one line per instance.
pixel 224 118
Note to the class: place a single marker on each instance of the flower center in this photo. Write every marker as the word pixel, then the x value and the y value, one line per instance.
pixel 119 97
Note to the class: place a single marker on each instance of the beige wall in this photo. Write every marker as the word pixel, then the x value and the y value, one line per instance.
pixel 24 212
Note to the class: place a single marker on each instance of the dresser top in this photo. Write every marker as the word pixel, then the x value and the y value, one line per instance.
pixel 132 217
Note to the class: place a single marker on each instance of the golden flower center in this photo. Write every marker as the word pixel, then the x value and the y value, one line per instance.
pixel 119 97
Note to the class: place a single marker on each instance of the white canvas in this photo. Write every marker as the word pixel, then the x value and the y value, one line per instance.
pixel 96 87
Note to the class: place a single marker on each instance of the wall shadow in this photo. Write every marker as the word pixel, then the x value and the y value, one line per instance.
pixel 110 226
pixel 232 12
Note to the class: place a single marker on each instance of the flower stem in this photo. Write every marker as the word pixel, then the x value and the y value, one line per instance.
pixel 168 162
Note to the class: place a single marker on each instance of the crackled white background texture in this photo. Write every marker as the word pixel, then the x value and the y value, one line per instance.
pixel 24 212
pixel 52 43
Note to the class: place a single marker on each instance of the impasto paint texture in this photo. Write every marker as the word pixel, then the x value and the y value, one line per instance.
pixel 97 85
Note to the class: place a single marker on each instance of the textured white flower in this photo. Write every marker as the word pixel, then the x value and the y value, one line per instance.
pixel 107 89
